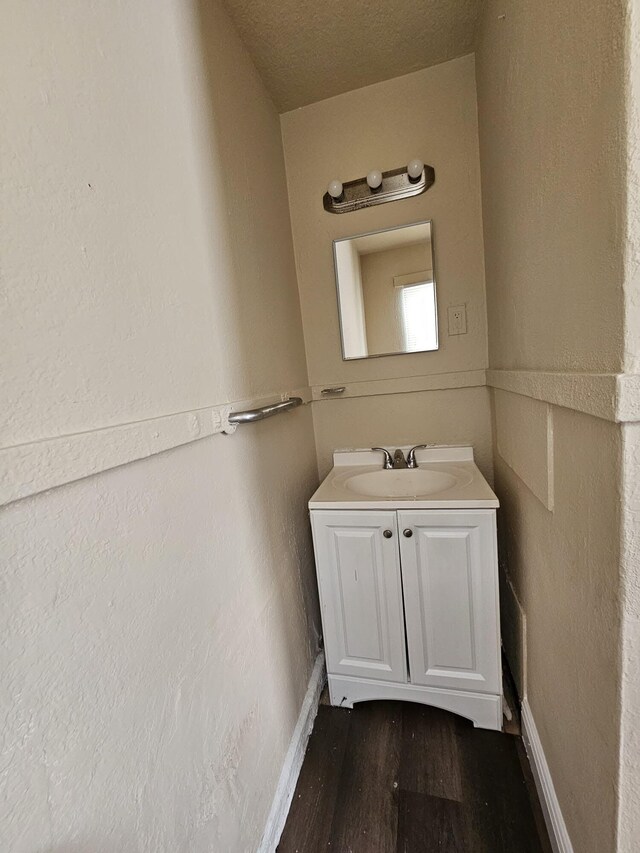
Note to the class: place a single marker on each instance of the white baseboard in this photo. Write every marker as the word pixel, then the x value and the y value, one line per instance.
pixel 293 760
pixel 556 826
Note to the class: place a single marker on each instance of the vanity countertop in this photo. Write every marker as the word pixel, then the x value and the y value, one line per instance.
pixel 446 478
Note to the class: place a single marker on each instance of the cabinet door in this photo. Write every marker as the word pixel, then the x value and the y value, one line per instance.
pixel 360 588
pixel 450 579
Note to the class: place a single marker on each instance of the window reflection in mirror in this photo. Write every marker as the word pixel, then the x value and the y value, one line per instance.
pixel 387 292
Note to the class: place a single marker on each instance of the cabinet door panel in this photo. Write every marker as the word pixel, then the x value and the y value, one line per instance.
pixel 449 573
pixel 360 593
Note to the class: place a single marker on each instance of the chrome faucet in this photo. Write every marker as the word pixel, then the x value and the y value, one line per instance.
pixel 411 458
pixel 398 459
pixel 388 461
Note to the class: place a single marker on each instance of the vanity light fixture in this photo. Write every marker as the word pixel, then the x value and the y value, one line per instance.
pixel 379 187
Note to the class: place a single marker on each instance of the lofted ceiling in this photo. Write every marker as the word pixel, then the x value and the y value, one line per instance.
pixel 308 50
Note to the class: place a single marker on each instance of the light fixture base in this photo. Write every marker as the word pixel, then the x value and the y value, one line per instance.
pixel 396 184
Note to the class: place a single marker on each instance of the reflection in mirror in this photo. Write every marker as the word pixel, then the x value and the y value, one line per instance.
pixel 387 292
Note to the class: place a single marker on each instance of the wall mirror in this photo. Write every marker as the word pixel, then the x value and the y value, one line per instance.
pixel 387 292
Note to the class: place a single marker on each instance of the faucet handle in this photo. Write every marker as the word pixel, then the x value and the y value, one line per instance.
pixel 388 461
pixel 411 456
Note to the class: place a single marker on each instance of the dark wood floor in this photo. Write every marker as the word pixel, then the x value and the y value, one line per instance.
pixel 395 777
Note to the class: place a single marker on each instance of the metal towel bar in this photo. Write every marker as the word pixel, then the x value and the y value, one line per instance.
pixel 263 412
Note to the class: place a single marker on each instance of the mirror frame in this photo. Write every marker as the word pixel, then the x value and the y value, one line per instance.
pixel 435 291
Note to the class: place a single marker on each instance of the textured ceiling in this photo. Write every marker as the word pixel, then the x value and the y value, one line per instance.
pixel 308 50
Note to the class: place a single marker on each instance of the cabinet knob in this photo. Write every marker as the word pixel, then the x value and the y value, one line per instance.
pixel 387 534
pixel 408 532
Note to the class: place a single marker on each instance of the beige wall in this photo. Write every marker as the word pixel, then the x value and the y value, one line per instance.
pixel 384 321
pixel 457 416
pixel 632 266
pixel 431 114
pixel 629 770
pixel 552 151
pixel 551 113
pixel 629 776
pixel 563 566
pixel 155 645
pixel 352 314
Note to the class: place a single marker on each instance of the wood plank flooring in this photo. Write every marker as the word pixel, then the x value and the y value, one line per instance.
pixel 395 777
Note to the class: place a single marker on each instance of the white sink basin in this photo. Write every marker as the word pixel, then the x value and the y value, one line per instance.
pixel 446 478
pixel 400 483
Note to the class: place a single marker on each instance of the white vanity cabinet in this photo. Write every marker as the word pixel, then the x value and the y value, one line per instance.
pixel 450 581
pixel 361 590
pixel 409 604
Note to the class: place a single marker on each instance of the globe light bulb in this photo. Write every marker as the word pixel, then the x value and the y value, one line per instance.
pixel 374 179
pixel 335 189
pixel 414 169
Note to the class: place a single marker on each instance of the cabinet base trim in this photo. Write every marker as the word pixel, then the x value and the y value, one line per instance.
pixel 484 710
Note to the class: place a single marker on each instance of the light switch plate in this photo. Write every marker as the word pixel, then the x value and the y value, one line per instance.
pixel 457 317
